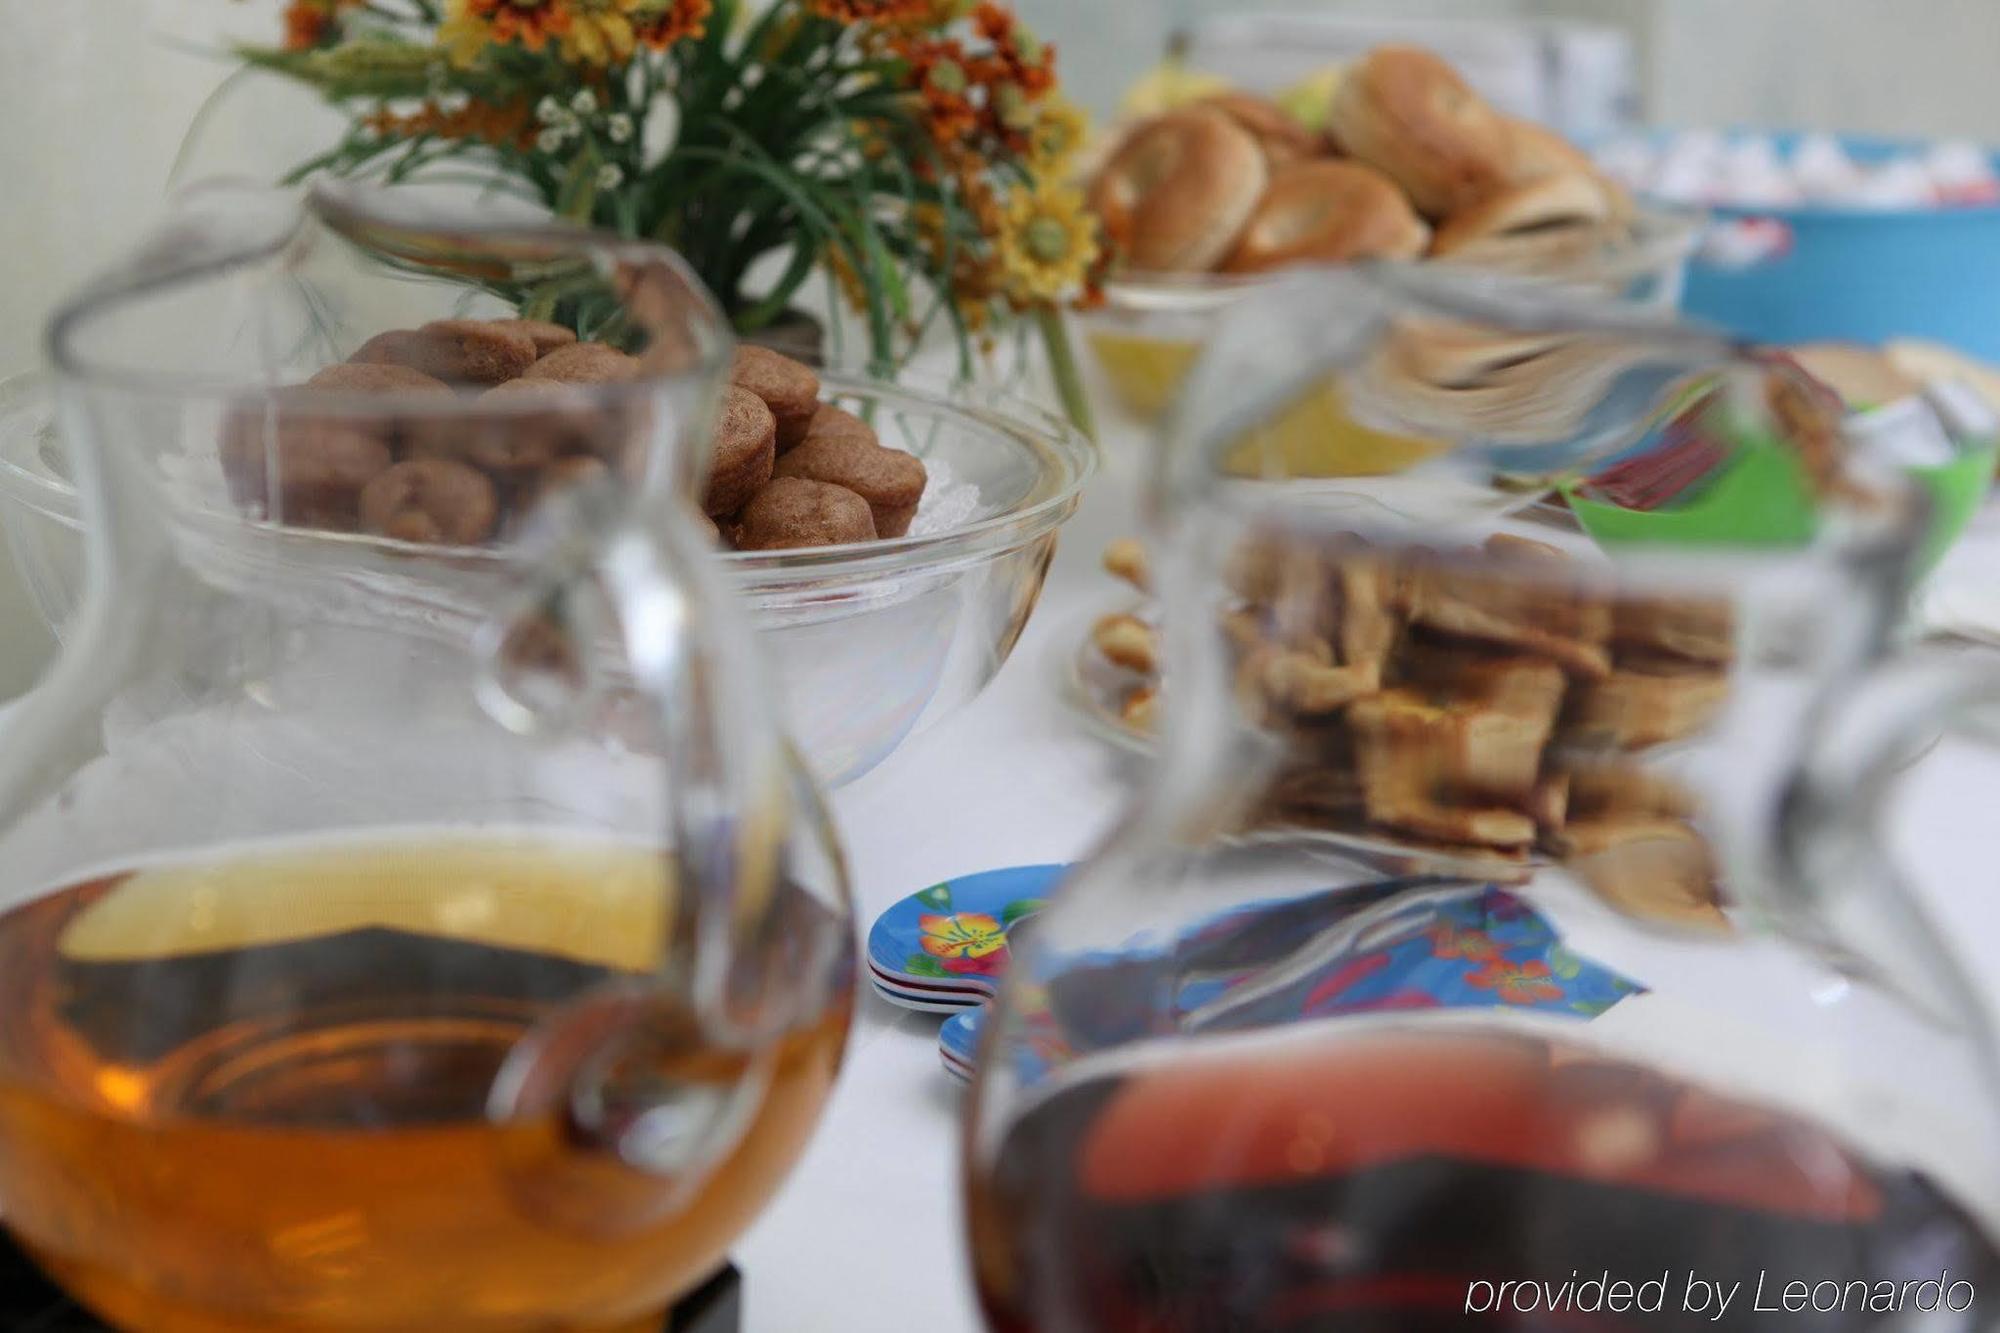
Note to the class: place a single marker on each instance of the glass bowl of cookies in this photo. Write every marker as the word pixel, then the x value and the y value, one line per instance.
pixel 1206 202
pixel 890 536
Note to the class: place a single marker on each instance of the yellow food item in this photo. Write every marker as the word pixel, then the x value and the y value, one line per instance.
pixel 1314 438
pixel 1311 98
pixel 1167 85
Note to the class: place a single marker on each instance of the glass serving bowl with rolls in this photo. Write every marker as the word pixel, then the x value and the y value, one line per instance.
pixel 1203 203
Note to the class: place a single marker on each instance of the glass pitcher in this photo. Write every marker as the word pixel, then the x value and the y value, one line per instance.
pixel 1499 940
pixel 413 917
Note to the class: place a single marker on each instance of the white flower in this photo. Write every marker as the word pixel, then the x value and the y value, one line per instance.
pixel 584 102
pixel 610 176
pixel 550 141
pixel 548 110
pixel 619 128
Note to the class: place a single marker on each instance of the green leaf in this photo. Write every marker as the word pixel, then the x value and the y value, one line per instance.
pixel 1014 911
pixel 577 196
pixel 937 896
pixel 923 965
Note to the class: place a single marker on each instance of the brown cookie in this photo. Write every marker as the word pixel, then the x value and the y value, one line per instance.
pixel 545 336
pixel 433 501
pixel 377 377
pixel 789 388
pixel 795 511
pixel 585 363
pixel 741 456
pixel 466 351
pixel 831 420
pixel 302 470
pixel 511 440
pixel 891 481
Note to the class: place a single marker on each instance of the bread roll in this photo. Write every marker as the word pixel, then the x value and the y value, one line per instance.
pixel 1178 191
pixel 1328 212
pixel 1408 114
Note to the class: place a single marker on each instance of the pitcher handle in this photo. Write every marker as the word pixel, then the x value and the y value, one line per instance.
pixel 1829 850
pixel 613 1067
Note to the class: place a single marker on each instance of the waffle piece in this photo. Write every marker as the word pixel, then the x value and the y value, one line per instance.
pixel 1697 628
pixel 1646 702
pixel 1561 624
pixel 1412 754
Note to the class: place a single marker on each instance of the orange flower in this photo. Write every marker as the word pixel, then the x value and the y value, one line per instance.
pixel 938 72
pixel 660 25
pixel 1030 62
pixel 887 12
pixel 511 123
pixel 472 24
pixel 307 22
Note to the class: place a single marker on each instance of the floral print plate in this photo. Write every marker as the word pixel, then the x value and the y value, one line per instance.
pixel 944 949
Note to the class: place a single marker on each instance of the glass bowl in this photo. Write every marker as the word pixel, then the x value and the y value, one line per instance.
pixel 870 641
pixel 1150 327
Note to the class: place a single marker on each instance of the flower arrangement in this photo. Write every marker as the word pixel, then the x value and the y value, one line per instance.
pixel 913 153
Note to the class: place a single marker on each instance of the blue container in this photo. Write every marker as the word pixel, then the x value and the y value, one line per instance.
pixel 1860 275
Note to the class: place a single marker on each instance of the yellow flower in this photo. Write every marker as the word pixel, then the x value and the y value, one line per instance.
pixel 600 31
pixel 472 25
pixel 1057 137
pixel 1048 241
pixel 462 34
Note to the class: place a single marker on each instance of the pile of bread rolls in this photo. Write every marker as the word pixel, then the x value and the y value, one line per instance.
pixel 1411 163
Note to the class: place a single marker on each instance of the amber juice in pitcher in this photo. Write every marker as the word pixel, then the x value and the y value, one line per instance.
pixel 254 1091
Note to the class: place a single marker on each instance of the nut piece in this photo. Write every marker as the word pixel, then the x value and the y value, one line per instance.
pixel 545 336
pixel 585 363
pixel 432 501
pixel 1141 709
pixel 789 388
pixel 742 453
pixel 795 511
pixel 1126 559
pixel 891 481
pixel 455 350
pixel 1127 641
pixel 1651 868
